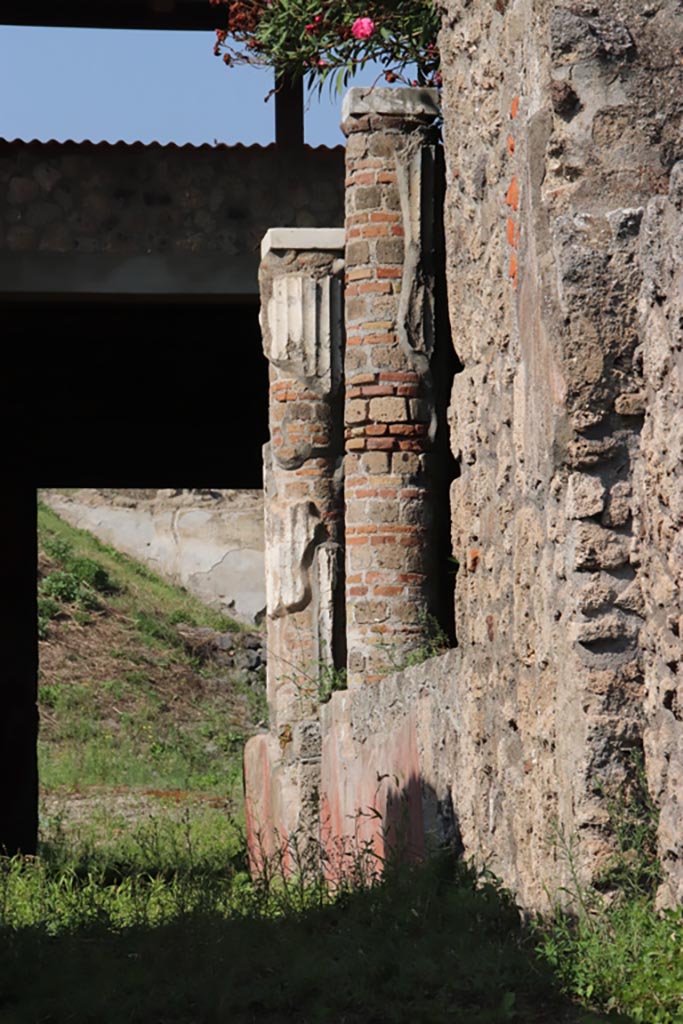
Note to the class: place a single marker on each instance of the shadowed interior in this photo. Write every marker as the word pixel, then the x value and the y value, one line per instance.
pixel 119 394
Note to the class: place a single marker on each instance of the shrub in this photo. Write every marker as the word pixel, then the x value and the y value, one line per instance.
pixel 47 610
pixel 91 573
pixel 322 37
pixel 62 585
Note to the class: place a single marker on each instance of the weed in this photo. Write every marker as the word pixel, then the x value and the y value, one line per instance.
pixel 57 548
pixel 433 642
pixel 61 585
pixel 156 628
pixel 114 688
pixel 74 570
pixel 66 588
pixel 136 678
pixel 315 678
pixel 634 868
pixel 611 948
pixel 50 694
pixel 93 575
pixel 180 617
pixel 64 696
pixel 330 680
pixel 48 609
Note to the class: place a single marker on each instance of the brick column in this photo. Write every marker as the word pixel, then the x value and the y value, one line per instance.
pixel 301 323
pixel 390 416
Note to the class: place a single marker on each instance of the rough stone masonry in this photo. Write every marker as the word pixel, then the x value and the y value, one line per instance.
pixel 562 122
pixel 563 223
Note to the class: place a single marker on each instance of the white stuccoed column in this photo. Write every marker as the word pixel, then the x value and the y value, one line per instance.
pixel 301 283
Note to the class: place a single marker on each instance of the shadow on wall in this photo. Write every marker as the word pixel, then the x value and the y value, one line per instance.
pixel 404 823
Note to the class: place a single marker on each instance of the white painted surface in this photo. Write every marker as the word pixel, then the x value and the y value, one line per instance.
pixel 211 546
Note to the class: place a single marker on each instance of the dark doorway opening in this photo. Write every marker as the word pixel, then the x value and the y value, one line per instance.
pixel 136 394
pixel 118 394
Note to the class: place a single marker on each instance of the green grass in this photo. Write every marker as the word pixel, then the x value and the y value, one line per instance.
pixel 608 945
pixel 162 924
pixel 624 957
pixel 124 702
pixel 138 587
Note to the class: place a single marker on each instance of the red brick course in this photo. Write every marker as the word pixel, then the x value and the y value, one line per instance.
pixel 387 411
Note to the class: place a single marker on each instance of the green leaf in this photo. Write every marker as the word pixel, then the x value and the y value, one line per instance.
pixel 339 83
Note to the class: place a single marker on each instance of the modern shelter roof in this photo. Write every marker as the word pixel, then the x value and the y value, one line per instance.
pixel 156 14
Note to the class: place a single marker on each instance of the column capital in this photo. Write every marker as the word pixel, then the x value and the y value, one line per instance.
pixel 408 104
pixel 300 239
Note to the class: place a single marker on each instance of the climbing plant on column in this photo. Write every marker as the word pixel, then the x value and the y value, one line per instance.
pixel 329 40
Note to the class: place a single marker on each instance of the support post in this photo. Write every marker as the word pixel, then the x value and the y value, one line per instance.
pixel 301 280
pixel 19 714
pixel 289 113
pixel 390 410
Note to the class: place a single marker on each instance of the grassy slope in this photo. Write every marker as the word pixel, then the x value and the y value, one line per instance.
pixel 127 710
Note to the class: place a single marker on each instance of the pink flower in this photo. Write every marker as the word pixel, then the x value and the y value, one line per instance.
pixel 363 28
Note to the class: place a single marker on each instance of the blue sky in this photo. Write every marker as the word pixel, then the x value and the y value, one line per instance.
pixel 140 86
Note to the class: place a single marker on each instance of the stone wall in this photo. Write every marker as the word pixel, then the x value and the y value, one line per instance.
pixel 153 203
pixel 211 543
pixel 559 127
pixel 659 518
pixel 389 762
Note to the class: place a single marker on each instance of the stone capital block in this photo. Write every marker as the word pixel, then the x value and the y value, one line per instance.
pixel 302 240
pixel 361 101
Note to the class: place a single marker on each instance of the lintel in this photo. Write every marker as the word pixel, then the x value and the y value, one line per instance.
pixel 321 239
